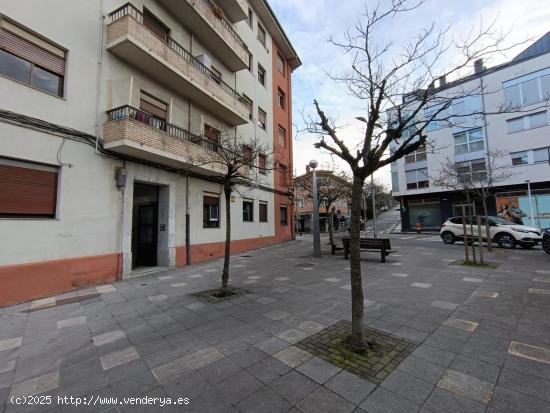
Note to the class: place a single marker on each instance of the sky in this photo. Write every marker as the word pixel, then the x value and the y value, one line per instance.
pixel 310 23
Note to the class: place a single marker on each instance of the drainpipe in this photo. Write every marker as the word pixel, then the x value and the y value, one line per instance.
pixel 187 221
pixel 99 70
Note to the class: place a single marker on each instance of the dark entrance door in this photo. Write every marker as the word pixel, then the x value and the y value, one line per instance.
pixel 145 226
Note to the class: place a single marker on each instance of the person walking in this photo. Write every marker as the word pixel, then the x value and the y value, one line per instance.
pixel 517 214
pixel 504 213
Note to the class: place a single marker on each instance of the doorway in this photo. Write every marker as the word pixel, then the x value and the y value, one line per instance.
pixel 145 226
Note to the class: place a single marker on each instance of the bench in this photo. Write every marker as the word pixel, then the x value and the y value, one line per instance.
pixel 369 244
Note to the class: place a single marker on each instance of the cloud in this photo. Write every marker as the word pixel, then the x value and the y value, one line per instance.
pixel 310 23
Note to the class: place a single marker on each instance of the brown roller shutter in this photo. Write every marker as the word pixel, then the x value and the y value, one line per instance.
pixel 26 191
pixel 153 109
pixel 31 52
pixel 210 200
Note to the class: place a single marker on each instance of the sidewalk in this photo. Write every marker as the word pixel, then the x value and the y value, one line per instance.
pixel 481 336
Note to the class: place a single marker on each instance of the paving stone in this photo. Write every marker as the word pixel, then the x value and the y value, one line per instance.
pixel 472 280
pixel 346 287
pixel 323 400
pixel 421 285
pixel 333 279
pixel 70 322
pixel 538 291
pixel 265 300
pixel 506 400
pixel 525 384
pixel 530 352
pixel 423 369
pixel 272 345
pixel 318 370
pixel 461 324
pixel 384 401
pixel 248 356
pixel 476 368
pixel 310 327
pixel 220 370
pixel 269 369
pixel 168 372
pixel 200 275
pixel 281 289
pixel 109 337
pixel 542 272
pixel 294 386
pixel 486 294
pixel 165 277
pixel 204 357
pixel 407 386
pixel 282 278
pixel 7 365
pixel 116 358
pixel 108 288
pixel 293 356
pixel 37 385
pixel 400 275
pixel 195 306
pixel 441 400
pixel 43 303
pixel 466 386
pixel 239 386
pixel 350 387
pixel 178 285
pixel 157 298
pixel 292 335
pixel 444 305
pixel 265 401
pixel 435 355
pixel 10 343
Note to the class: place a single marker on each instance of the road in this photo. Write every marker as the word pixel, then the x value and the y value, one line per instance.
pixel 384 222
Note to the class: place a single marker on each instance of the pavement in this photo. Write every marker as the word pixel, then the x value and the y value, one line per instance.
pixel 482 336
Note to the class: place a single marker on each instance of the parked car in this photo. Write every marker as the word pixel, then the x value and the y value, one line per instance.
pixel 398 208
pixel 546 240
pixel 505 233
pixel 384 209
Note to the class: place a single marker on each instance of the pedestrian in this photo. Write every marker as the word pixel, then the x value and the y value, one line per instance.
pixel 517 214
pixel 504 213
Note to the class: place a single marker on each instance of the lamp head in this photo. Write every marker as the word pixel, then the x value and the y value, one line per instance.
pixel 313 164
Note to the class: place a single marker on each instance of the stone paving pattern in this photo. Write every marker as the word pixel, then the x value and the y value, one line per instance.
pixel 148 336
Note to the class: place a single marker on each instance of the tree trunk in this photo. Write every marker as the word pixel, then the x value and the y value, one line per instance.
pixel 465 235
pixel 487 226
pixel 225 273
pixel 357 339
pixel 480 240
pixel 330 224
pixel 472 237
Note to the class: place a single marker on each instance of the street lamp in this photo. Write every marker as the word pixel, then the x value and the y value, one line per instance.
pixel 316 233
pixel 530 202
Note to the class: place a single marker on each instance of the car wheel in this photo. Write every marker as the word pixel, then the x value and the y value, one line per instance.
pixel 506 241
pixel 546 244
pixel 448 237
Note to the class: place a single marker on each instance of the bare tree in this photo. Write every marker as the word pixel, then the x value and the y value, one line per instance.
pixel 331 187
pixel 398 88
pixel 240 163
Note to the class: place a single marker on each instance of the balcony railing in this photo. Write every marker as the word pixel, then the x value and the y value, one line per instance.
pixel 129 112
pixel 216 10
pixel 129 10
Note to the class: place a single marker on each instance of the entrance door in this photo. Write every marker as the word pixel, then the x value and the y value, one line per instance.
pixel 145 226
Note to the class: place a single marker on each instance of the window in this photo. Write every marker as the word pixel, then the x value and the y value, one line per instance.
pixel 153 111
pixel 211 211
pixel 472 170
pixel 281 98
pixel 216 75
pixel 261 34
pixel 213 137
pixel 541 155
pixel 28 189
pixel 262 161
pixel 248 211
pixel 519 158
pixel 263 211
pixel 249 105
pixel 417 178
pixel 250 17
pixel 417 156
pixel 528 90
pixel 469 141
pixel 251 62
pixel 283 215
pixel 395 181
pixel 28 59
pixel 282 136
pixel 280 63
pixel 283 171
pixel 262 119
pixel 261 74
pixel 301 203
pixel 247 155
pixel 458 109
pixel 536 120
pixel 439 115
pixel 156 25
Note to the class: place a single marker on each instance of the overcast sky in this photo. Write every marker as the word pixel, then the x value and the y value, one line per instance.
pixel 309 23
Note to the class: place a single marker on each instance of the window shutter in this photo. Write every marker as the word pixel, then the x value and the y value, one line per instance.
pixel 27 191
pixel 31 52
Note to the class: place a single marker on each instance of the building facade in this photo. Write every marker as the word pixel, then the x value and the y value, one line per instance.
pixel 326 180
pixel 108 111
pixel 520 137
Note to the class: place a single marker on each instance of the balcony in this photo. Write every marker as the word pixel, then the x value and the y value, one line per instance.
pixel 166 60
pixel 136 133
pixel 235 10
pixel 215 32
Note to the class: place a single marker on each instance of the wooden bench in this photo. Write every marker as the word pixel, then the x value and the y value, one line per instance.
pixel 369 244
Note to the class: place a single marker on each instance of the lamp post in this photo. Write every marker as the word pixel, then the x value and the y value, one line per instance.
pixel 373 205
pixel 316 233
pixel 530 202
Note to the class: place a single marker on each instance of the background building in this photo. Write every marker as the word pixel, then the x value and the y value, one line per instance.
pixel 108 108
pixel 523 135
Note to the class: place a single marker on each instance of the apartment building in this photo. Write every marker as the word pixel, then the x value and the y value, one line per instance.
pixel 326 179
pixel 104 115
pixel 520 135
